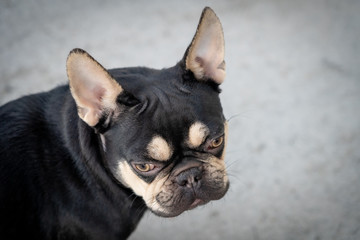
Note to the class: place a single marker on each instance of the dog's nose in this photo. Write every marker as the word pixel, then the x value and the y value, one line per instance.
pixel 190 178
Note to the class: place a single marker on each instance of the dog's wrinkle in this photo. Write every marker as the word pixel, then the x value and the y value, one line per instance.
pixel 165 198
pixel 162 97
pixel 154 95
pixel 182 87
pixel 144 106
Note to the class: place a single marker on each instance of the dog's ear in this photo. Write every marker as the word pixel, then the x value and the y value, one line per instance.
pixel 205 55
pixel 94 90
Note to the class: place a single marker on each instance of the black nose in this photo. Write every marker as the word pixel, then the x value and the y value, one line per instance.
pixel 190 178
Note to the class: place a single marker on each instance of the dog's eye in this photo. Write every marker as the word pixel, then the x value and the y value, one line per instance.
pixel 145 167
pixel 215 143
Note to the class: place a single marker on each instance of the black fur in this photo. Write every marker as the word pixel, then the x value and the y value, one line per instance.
pixel 55 183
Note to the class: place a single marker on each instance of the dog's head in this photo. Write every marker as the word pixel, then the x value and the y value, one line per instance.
pixel 162 132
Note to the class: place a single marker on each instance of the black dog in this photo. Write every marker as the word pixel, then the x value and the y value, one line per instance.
pixel 84 161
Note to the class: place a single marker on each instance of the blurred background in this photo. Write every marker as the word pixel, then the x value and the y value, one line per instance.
pixel 292 95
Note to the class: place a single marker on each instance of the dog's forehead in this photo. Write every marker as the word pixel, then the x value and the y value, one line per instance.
pixel 172 108
pixel 167 90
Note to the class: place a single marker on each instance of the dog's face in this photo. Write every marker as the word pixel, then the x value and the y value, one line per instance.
pixel 162 132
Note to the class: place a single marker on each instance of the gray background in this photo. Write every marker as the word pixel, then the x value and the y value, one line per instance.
pixel 292 88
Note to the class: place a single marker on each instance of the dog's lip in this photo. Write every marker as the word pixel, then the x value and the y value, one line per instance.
pixel 196 203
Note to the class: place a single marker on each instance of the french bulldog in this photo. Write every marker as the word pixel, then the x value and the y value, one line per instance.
pixel 86 160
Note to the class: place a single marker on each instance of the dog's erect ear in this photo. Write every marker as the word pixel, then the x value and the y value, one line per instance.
pixel 94 90
pixel 205 55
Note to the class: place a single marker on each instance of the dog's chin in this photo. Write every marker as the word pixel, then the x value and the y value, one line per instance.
pixel 169 213
pixel 196 203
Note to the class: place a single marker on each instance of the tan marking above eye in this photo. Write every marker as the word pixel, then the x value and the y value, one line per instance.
pixel 197 134
pixel 159 149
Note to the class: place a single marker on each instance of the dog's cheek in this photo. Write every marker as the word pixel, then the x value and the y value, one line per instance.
pixel 216 172
pixel 148 191
pixel 126 175
pixel 152 191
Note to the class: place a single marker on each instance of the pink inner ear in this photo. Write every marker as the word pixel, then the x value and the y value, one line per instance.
pixel 200 62
pixel 99 93
pixel 89 94
pixel 91 86
pixel 206 54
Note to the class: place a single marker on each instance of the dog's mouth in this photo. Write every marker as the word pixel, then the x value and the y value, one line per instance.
pixel 175 212
pixel 174 208
pixel 175 197
pixel 197 202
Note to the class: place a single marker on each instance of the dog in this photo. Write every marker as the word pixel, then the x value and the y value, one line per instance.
pixel 86 160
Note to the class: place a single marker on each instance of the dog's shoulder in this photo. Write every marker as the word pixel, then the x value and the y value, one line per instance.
pixel 29 126
pixel 29 113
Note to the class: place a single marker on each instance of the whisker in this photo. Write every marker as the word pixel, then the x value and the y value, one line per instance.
pixel 243 115
pixel 132 202
pixel 234 116
pixel 231 163
pixel 140 210
pixel 235 176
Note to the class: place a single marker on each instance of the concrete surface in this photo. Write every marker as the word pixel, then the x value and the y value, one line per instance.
pixel 292 93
